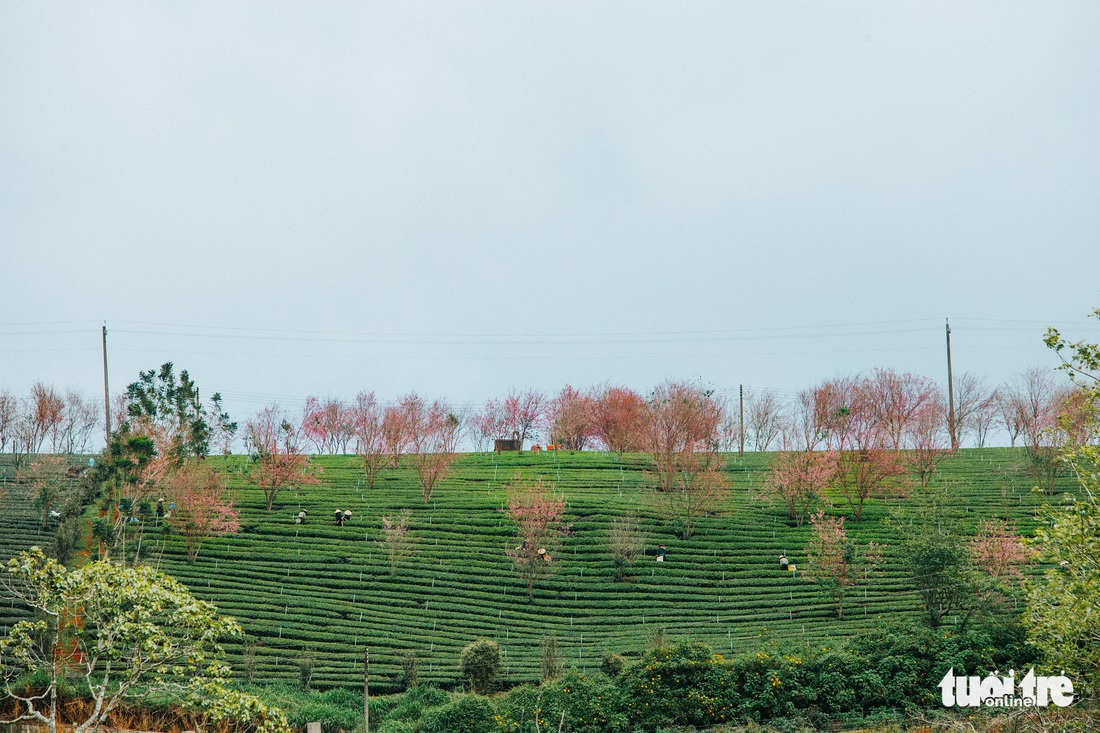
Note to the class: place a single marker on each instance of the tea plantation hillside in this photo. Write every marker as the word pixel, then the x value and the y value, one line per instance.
pixel 320 592
pixel 20 528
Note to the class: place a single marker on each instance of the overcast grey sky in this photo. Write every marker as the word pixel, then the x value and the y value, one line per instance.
pixel 458 198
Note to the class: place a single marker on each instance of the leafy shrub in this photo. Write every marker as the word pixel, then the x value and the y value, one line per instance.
pixel 67 537
pixel 481 663
pixel 410 671
pixel 575 702
pixel 517 710
pixel 591 705
pixel 612 664
pixel 891 668
pixel 678 684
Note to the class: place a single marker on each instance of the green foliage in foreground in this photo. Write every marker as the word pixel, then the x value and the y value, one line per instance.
pixel 688 685
pixel 125 633
pixel 1063 610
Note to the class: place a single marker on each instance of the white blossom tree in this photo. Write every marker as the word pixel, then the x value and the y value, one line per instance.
pixel 127 633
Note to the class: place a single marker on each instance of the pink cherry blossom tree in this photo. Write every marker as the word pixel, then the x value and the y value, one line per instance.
pixel 698 489
pixel 972 413
pixel 540 529
pixel 983 420
pixel 79 418
pixel 618 418
pixel 9 413
pixel 896 400
pixel 832 404
pixel 523 413
pixel 1047 419
pixel 799 479
pixel 999 553
pixel 570 419
pixel 434 431
pixel 281 463
pixel 866 467
pixel 203 506
pixel 681 419
pixel 395 433
pixel 329 424
pixel 834 562
pixel 370 437
pixel 926 441
pixel 488 424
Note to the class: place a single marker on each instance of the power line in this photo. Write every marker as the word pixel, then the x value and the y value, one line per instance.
pixel 530 357
pixel 530 341
pixel 47 323
pixel 525 336
pixel 43 333
pixel 50 351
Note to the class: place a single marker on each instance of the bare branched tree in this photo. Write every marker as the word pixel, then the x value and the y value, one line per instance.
pixel 764 415
pixel 396 541
pixel 626 539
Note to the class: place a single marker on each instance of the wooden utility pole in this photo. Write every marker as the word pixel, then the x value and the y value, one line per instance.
pixel 741 429
pixel 366 689
pixel 951 428
pixel 106 392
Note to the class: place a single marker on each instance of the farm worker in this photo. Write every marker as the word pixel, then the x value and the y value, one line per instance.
pixel 783 564
pixel 661 553
pixel 347 515
pixel 160 508
pixel 301 517
pixel 339 517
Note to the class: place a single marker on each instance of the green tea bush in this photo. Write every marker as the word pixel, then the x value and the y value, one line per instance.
pixel 678 684
pixel 612 664
pixel 516 712
pixel 574 702
pixel 481 664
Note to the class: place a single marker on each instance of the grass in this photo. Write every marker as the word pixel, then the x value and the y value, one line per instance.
pixel 325 591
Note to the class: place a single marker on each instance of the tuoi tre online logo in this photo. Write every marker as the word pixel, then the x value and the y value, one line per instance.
pixel 994 691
